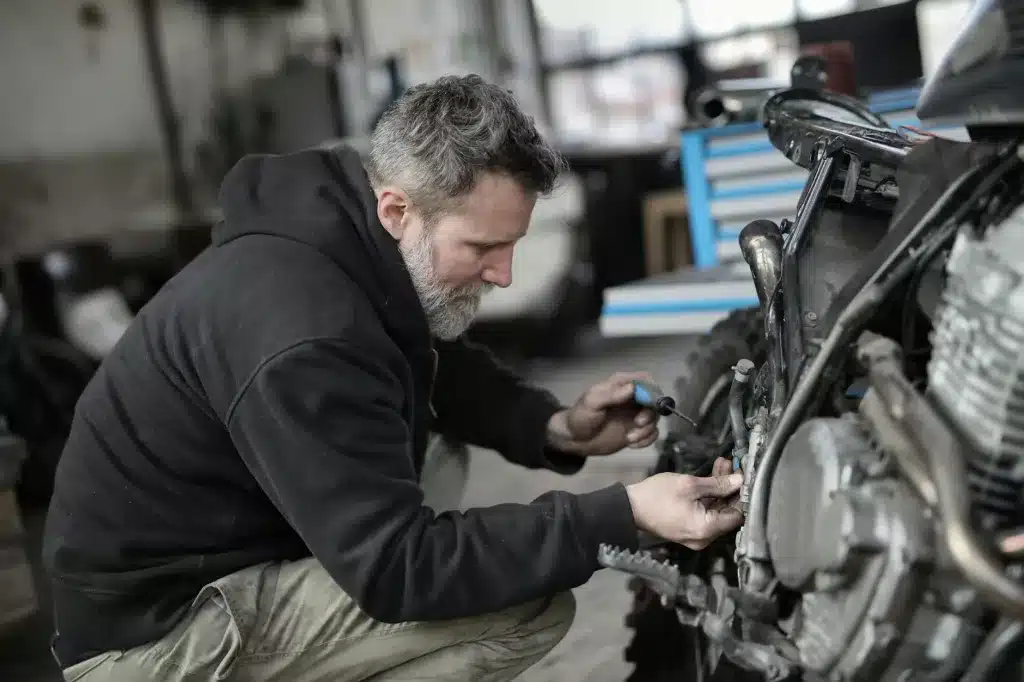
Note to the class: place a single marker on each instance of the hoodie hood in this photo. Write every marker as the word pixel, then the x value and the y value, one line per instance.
pixel 323 198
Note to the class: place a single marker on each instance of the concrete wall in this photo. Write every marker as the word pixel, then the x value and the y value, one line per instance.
pixel 72 91
pixel 80 147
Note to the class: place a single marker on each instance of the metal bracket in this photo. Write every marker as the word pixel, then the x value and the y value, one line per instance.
pixel 663 577
pixel 852 178
pixel 692 600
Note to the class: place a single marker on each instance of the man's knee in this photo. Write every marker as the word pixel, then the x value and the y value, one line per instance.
pixel 505 643
pixel 547 628
pixel 560 613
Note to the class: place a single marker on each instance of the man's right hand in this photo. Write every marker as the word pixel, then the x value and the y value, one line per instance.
pixel 689 510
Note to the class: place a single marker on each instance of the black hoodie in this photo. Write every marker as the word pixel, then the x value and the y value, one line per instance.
pixel 273 401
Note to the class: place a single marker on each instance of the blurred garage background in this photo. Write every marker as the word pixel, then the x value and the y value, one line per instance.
pixel 119 117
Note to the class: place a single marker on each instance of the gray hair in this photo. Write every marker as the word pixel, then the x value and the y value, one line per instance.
pixel 438 138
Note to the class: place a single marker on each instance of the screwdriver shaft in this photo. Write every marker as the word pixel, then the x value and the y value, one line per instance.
pixel 683 416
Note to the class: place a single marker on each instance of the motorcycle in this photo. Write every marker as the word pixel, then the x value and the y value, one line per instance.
pixel 874 402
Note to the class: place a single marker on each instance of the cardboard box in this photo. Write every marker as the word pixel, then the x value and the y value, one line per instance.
pixel 666 232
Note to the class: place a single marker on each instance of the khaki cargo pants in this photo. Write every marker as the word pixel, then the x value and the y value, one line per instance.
pixel 290 622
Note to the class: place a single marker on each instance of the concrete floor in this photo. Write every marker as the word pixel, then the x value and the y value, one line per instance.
pixel 592 650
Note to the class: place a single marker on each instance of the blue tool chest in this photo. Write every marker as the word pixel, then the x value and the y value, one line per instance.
pixel 731 175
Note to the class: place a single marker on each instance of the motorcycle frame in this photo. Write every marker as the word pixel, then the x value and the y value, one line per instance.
pixel 833 151
pixel 921 438
pixel 834 141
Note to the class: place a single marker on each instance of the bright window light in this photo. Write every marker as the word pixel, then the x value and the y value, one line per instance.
pixel 721 17
pixel 613 25
pixel 819 9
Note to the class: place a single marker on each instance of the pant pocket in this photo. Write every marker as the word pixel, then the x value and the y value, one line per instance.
pixel 79 671
pixel 214 639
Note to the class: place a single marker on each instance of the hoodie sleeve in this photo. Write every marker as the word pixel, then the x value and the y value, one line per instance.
pixel 321 429
pixel 479 401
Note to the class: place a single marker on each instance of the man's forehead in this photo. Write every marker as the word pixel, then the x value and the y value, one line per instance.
pixel 498 198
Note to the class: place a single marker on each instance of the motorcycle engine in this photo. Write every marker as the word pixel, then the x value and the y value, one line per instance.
pixel 976 373
pixel 878 597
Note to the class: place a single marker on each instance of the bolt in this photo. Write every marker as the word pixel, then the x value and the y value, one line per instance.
pixel 961 599
pixel 885 634
pixel 811 318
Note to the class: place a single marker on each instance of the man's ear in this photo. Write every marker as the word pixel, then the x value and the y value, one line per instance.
pixel 393 211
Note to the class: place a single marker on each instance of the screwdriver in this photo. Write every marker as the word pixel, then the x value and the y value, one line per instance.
pixel 649 394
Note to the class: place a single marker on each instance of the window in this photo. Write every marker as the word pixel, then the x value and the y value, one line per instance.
pixel 763 54
pixel 636 100
pixel 714 18
pixel 819 9
pixel 571 31
pixel 938 23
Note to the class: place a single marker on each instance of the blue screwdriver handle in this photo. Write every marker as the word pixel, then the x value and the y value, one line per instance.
pixel 647 393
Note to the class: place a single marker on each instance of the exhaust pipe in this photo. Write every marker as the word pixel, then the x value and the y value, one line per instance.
pixel 761 245
pixel 734 100
pixel 921 427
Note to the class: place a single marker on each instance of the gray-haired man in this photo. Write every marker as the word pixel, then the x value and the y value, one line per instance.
pixel 239 497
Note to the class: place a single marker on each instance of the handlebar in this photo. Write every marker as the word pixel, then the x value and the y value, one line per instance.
pixel 796 129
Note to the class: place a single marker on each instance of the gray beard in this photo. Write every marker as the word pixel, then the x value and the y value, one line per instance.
pixel 450 310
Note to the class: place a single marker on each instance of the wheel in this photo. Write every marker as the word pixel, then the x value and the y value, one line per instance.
pixel 661 648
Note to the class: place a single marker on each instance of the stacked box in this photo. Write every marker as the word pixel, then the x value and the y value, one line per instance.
pixel 18 598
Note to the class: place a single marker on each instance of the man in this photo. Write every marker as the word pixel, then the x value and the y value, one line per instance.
pixel 239 495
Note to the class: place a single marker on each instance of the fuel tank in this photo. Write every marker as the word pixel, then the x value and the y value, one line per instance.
pixel 978 82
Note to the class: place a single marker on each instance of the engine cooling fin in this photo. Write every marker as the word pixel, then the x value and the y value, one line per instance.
pixel 976 373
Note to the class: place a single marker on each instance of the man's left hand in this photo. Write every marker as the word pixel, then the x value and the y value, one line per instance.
pixel 604 420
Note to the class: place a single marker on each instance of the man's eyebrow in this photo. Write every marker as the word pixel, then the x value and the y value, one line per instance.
pixel 492 242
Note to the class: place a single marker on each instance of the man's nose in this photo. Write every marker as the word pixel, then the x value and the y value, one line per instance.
pixel 499 272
